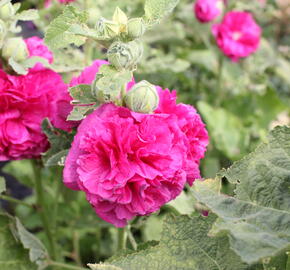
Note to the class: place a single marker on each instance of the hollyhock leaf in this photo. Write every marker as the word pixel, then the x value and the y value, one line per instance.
pixel 12 254
pixel 103 267
pixel 184 245
pixel 57 159
pixel 58 34
pixel 257 218
pixel 37 251
pixel 2 185
pixel 27 15
pixel 79 112
pixel 155 10
pixel 59 140
pixel 18 67
pixel 229 135
pixel 4 2
pixel 82 94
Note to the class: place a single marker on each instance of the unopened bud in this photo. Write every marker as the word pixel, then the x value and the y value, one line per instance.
pixel 125 55
pixel 107 28
pixel 103 92
pixel 135 28
pixel 6 11
pixel 15 48
pixel 142 98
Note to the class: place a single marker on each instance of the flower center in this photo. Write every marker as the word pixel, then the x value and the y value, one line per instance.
pixel 236 35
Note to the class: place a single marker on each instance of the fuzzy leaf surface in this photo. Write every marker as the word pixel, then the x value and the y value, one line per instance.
pixel 58 34
pixel 257 219
pixel 184 246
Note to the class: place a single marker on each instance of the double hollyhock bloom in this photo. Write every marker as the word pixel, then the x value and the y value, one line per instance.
pixel 24 102
pixel 207 10
pixel 238 35
pixel 130 164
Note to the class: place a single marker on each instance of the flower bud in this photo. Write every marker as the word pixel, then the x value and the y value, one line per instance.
pixel 104 92
pixel 142 98
pixel 125 55
pixel 108 29
pixel 136 28
pixel 2 32
pixel 15 48
pixel 6 11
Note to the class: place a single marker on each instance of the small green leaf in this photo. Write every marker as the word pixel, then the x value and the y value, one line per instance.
pixel 2 184
pixel 155 10
pixel 57 159
pixel 37 251
pixel 59 140
pixel 27 15
pixel 79 112
pixel 12 254
pixel 17 67
pixel 82 94
pixel 58 34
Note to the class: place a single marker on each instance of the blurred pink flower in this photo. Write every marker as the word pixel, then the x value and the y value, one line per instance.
pixel 238 35
pixel 130 164
pixel 36 47
pixel 207 10
pixel 24 102
pixel 48 2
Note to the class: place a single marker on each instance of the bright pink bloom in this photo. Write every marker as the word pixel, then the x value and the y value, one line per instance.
pixel 238 35
pixel 36 47
pixel 130 164
pixel 207 10
pixel 24 102
pixel 48 2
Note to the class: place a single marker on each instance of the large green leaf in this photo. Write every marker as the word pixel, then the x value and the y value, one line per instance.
pixel 258 217
pixel 58 34
pixel 184 246
pixel 12 254
pixel 157 9
pixel 2 184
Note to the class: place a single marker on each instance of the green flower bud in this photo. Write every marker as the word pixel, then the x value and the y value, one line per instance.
pixel 3 32
pixel 108 29
pixel 142 98
pixel 125 55
pixel 136 28
pixel 6 11
pixel 15 48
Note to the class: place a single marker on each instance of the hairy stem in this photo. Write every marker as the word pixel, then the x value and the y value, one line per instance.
pixel 41 207
pixel 131 238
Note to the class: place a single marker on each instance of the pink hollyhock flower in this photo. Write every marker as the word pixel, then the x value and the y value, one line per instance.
pixel 207 10
pixel 24 102
pixel 36 47
pixel 48 2
pixel 238 35
pixel 130 164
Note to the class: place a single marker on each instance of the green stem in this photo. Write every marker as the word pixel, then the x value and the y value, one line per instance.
pixel 76 248
pixel 66 266
pixel 171 209
pixel 288 261
pixel 13 200
pixel 41 207
pixel 122 238
pixel 220 90
pixel 131 238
